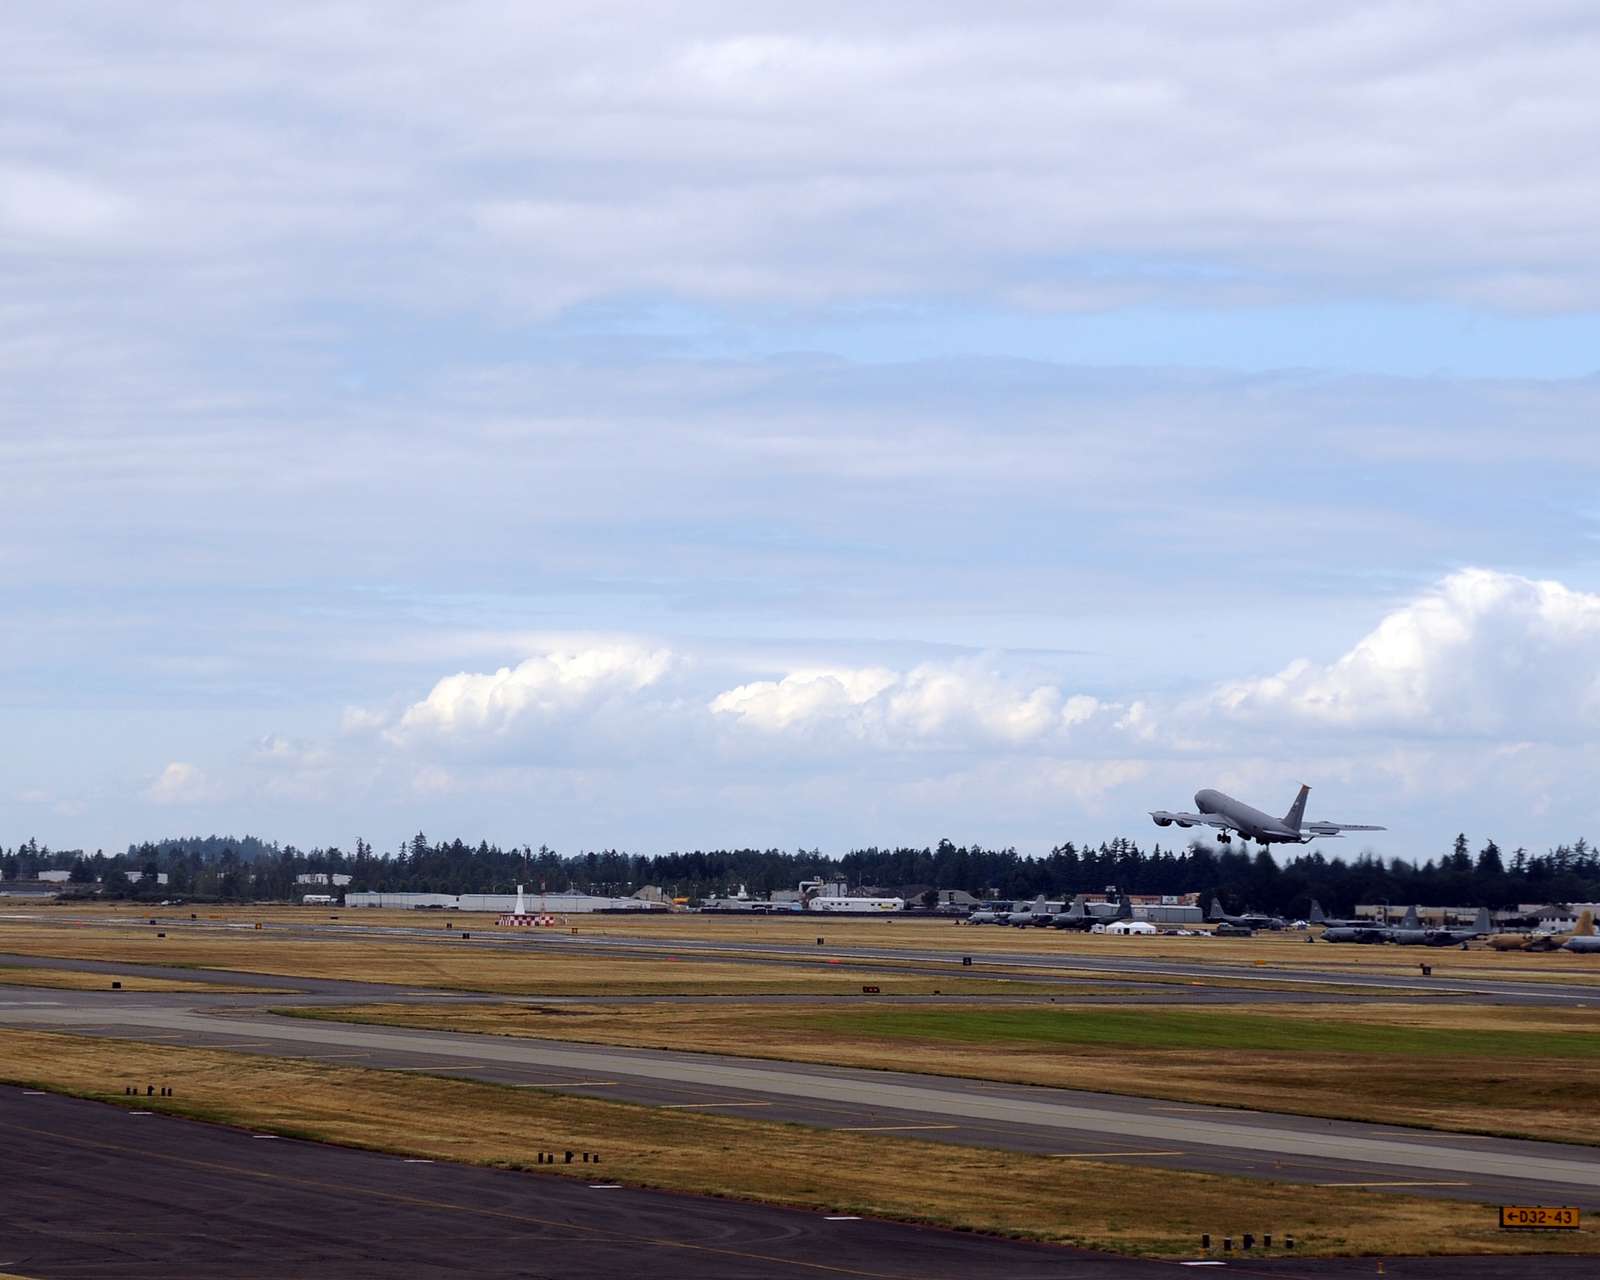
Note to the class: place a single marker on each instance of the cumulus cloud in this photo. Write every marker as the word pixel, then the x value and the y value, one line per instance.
pixel 1483 653
pixel 540 692
pixel 180 783
pixel 961 704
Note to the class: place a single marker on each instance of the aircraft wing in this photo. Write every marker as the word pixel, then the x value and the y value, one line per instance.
pixel 1334 828
pixel 1192 819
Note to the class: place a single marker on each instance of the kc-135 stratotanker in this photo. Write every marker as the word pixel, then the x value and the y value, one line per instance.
pixel 1232 817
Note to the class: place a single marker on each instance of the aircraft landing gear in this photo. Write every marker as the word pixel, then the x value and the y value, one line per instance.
pixel 1224 838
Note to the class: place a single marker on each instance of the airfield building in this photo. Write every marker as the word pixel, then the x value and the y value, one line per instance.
pixel 552 903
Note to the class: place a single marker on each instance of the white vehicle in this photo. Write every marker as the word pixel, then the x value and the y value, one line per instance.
pixel 857 905
pixel 1122 928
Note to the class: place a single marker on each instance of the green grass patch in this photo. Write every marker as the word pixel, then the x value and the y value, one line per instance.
pixel 1175 1029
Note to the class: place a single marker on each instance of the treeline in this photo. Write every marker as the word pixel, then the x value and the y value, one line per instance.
pixel 247 868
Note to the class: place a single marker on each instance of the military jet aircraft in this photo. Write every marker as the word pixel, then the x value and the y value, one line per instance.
pixel 1232 816
pixel 994 913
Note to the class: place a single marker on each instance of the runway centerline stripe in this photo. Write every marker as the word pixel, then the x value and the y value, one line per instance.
pixel 891 1128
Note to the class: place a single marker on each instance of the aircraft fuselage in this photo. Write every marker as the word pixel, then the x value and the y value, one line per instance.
pixel 1250 821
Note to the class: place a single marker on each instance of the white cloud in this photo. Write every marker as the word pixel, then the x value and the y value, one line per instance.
pixel 1483 653
pixel 180 783
pixel 540 691
pixel 553 153
pixel 953 704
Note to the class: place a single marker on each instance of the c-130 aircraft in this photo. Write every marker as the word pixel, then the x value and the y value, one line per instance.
pixel 1231 816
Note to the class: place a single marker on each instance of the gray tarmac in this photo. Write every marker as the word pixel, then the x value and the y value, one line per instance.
pixel 102 1191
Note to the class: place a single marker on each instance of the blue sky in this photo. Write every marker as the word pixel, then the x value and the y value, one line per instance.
pixel 735 424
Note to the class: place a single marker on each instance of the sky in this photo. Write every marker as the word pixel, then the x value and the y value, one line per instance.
pixel 660 427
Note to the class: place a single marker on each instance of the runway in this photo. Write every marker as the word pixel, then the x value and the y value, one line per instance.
pixel 93 1190
pixel 97 1191
pixel 1061 1123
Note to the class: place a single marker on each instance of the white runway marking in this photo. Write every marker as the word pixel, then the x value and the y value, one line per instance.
pixel 562 1084
pixel 1393 1184
pixel 892 1128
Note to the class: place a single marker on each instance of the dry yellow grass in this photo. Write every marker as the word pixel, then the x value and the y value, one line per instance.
pixel 465 966
pixel 1519 1093
pixel 1285 950
pixel 1155 1211
pixel 72 980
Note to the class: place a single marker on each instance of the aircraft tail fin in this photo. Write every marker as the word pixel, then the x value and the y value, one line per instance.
pixel 1124 908
pixel 1411 921
pixel 1585 926
pixel 1483 924
pixel 1297 810
pixel 1216 912
pixel 1317 916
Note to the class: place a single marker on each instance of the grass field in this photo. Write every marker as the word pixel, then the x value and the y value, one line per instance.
pixel 943 938
pixel 1153 1211
pixel 1478 1069
pixel 467 966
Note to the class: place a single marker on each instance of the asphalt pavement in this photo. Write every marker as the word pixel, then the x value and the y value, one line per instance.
pixel 93 1191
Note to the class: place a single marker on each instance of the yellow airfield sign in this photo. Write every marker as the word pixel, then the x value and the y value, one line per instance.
pixel 1529 1217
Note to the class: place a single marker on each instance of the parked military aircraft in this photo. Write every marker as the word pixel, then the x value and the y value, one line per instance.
pixel 1229 816
pixel 1318 916
pixel 994 913
pixel 1549 941
pixel 1410 932
pixel 1038 912
pixel 1353 932
pixel 1460 937
pixel 1220 916
pixel 1085 915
